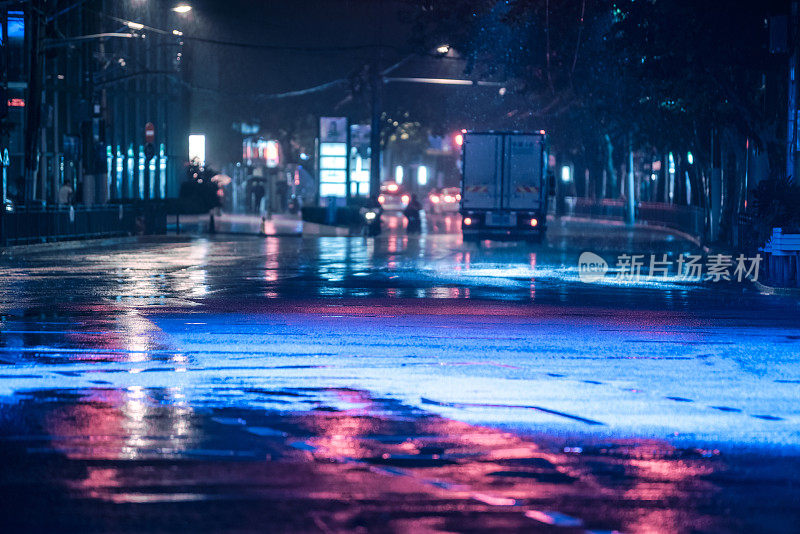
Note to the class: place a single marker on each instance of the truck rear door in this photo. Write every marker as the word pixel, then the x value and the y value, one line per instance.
pixel 480 186
pixel 523 168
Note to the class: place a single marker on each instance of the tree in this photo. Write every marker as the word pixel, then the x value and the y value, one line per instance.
pixel 199 193
pixel 605 75
pixel 554 56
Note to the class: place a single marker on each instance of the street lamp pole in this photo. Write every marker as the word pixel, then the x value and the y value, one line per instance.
pixel 792 141
pixel 376 83
pixel 33 105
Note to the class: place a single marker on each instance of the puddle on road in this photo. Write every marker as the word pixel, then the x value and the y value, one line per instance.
pixel 88 460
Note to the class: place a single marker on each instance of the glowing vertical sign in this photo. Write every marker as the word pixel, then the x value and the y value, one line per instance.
pixel 422 175
pixel 333 154
pixel 162 158
pixel 120 172
pixel 111 182
pixel 140 174
pixel 272 154
pixel 131 162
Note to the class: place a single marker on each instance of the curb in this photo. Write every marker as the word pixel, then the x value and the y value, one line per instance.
pixel 325 230
pixel 245 234
pixel 88 243
pixel 770 290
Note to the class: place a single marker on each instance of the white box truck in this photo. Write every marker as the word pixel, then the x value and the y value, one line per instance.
pixel 504 185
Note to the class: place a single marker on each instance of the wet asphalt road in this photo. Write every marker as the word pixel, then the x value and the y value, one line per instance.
pixel 405 384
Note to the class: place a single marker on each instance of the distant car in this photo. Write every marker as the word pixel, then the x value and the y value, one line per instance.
pixel 445 201
pixel 393 198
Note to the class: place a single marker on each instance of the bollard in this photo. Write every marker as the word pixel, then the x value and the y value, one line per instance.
pixel 263 229
pixel 211 227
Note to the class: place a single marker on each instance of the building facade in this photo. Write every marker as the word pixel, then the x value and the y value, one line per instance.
pixel 83 80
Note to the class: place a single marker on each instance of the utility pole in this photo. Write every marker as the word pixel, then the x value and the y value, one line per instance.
pixel 33 105
pixel 376 84
pixel 4 160
pixel 630 212
pixel 792 142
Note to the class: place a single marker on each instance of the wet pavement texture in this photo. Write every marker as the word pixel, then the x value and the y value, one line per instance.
pixel 402 384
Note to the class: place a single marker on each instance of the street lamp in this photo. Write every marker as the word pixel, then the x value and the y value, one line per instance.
pixel 182 8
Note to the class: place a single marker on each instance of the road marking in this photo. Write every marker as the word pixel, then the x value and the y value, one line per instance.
pixel 578 418
pixel 554 518
pixel 494 501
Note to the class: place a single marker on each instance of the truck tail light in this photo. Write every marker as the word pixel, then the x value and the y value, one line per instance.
pixel 467 221
pixel 534 223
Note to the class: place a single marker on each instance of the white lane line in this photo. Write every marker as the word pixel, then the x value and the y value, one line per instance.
pixel 554 518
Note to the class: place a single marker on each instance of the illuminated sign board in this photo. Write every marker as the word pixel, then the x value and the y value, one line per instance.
pixel 272 154
pixel 197 149
pixel 260 152
pixel 333 129
pixel 333 153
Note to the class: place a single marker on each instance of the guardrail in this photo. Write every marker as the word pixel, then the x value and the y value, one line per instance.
pixel 688 219
pixel 26 225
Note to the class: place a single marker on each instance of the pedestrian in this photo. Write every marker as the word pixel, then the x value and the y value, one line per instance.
pixel 65 193
pixel 412 213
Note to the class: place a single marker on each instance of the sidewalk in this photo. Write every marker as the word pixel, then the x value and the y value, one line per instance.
pixel 239 223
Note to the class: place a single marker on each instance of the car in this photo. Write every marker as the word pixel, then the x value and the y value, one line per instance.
pixel 393 198
pixel 445 201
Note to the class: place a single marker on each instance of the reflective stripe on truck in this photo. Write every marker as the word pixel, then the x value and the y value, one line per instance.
pixel 527 189
pixel 477 188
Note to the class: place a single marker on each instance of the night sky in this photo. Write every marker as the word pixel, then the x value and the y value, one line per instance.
pixel 264 48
